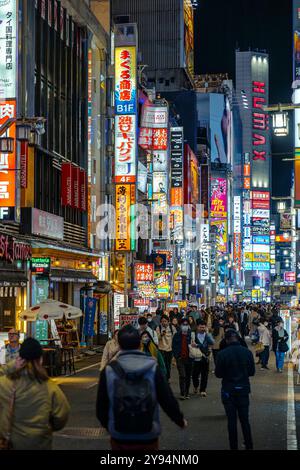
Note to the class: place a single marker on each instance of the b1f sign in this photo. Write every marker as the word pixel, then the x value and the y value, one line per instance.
pixel 125 74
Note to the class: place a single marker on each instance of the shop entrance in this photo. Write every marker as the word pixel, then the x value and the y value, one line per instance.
pixel 7 313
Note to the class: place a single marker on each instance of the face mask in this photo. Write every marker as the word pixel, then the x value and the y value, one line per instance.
pixel 185 328
pixel 145 341
pixel 149 320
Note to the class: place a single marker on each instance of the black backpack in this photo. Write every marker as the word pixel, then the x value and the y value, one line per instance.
pixel 133 402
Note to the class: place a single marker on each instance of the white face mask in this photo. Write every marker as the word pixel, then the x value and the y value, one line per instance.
pixel 185 328
pixel 149 320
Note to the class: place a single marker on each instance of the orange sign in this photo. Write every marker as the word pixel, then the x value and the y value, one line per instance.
pixel 8 160
pixel 176 197
pixel 144 272
pixel 123 203
pixel 247 183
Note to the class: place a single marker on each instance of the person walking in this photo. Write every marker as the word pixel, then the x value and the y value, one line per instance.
pixel 218 334
pixel 39 406
pixel 244 321
pixel 202 340
pixel 149 348
pixel 144 326
pixel 180 348
pixel 130 390
pixel 280 345
pixel 265 337
pixel 165 338
pixel 235 364
pixel 192 323
pixel 110 350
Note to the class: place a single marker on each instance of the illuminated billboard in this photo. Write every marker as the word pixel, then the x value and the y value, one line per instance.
pixel 125 79
pixel 218 198
pixel 219 228
pixel 125 149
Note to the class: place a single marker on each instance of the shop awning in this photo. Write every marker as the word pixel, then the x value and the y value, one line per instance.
pixel 103 287
pixel 72 275
pixel 13 279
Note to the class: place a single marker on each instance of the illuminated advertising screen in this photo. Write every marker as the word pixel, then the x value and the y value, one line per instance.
pixel 189 37
pixel 219 227
pixel 218 198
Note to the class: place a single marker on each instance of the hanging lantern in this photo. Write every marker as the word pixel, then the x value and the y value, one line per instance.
pixel 23 131
pixel 7 144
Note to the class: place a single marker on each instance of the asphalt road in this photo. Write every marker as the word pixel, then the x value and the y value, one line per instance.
pixel 207 428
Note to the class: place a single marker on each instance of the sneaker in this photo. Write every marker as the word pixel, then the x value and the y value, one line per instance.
pixel 182 397
pixel 187 397
pixel 203 394
pixel 262 368
pixel 280 370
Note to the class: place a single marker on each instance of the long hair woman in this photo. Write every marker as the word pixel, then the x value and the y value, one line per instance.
pixel 32 406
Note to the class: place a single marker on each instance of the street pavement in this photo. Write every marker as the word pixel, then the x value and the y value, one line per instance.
pixel 207 429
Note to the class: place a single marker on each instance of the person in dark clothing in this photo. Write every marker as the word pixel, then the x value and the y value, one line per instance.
pixel 132 363
pixel 235 364
pixel 180 348
pixel 224 344
pixel 203 341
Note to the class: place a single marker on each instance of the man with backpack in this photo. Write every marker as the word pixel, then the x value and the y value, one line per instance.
pixel 165 339
pixel 131 388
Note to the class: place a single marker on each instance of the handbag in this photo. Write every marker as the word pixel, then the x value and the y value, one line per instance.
pixel 194 353
pixel 259 348
pixel 283 347
pixel 5 442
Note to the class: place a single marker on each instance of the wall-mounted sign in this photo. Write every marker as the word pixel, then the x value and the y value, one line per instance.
pixel 42 223
pixel 123 203
pixel 155 117
pixel 289 277
pixel 125 149
pixel 12 250
pixel 8 109
pixel 144 272
pixel 125 77
pixel 218 198
pixel 8 49
pixel 40 265
pixel 204 253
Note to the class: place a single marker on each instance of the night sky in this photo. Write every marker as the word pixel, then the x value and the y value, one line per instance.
pixel 222 26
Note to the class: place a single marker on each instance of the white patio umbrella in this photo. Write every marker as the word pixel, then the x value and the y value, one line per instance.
pixel 51 310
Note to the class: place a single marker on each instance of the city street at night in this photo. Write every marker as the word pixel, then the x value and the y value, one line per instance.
pixel 149 230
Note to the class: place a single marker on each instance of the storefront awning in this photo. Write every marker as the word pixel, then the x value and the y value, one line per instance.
pixel 72 275
pixel 13 279
pixel 103 287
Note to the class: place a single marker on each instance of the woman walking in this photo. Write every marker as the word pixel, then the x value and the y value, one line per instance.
pixel 149 347
pixel 280 346
pixel 38 406
pixel 111 350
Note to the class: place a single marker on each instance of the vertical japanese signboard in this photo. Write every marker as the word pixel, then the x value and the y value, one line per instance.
pixel 8 160
pixel 205 253
pixel 219 198
pixel 176 142
pixel 125 143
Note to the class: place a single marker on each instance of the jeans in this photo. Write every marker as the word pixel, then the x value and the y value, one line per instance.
pixel 237 405
pixel 184 367
pixel 264 356
pixel 279 359
pixel 167 356
pixel 200 368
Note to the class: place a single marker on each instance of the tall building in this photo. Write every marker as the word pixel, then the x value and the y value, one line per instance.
pixel 252 88
pixel 166 39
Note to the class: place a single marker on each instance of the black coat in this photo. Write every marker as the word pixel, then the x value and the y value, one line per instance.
pixel 276 339
pixel 235 364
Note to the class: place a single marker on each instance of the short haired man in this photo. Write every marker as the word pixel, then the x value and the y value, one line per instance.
pixel 11 350
pixel 235 364
pixel 203 341
pixel 131 428
pixel 165 339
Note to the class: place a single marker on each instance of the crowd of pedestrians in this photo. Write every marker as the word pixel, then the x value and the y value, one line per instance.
pixel 135 375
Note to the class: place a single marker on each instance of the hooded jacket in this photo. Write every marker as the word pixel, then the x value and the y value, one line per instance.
pixel 136 361
pixel 40 409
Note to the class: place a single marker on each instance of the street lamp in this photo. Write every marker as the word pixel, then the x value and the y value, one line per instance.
pixel 280 122
pixel 7 144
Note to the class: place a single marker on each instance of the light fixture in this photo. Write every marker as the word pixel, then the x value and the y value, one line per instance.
pixel 7 144
pixel 281 205
pixel 280 122
pixel 57 262
pixel 23 131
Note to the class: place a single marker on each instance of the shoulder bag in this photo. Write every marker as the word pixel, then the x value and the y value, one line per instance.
pixel 5 442
pixel 194 353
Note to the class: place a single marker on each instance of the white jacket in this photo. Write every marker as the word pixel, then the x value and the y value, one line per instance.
pixel 265 336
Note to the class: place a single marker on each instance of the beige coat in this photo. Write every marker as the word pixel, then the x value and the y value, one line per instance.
pixel 110 352
pixel 40 409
